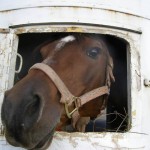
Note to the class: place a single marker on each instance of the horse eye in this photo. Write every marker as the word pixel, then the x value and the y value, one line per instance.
pixel 93 52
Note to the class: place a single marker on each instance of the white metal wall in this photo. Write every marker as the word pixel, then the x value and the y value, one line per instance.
pixel 125 19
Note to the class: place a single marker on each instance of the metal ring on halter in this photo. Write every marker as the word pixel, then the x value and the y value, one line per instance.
pixel 21 63
pixel 75 100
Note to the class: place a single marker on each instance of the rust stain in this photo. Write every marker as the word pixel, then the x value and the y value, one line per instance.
pixel 80 135
pixel 74 29
pixel 73 142
pixel 118 136
pixel 48 29
pixel 115 139
pixel 20 30
pixel 134 113
pixel 2 30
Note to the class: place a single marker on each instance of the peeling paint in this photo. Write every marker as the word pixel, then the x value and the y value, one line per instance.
pixel 138 79
pixel 134 113
pixel 2 30
pixel 74 29
pixel 115 141
pixel 118 136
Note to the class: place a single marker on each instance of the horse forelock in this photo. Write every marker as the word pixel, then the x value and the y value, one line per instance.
pixel 61 43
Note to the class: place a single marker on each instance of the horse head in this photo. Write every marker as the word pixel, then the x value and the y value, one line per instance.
pixel 34 108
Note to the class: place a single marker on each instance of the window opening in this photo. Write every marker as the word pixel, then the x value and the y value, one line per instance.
pixel 115 118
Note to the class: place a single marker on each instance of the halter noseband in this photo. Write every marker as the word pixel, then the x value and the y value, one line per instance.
pixel 67 98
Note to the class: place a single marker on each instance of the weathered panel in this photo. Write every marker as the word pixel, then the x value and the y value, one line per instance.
pixel 53 15
pixel 5 53
pixel 105 17
pixel 128 6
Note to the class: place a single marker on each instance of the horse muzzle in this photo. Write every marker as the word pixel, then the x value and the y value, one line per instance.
pixel 22 122
pixel 40 145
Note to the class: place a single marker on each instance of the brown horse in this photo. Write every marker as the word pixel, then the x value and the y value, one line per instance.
pixel 76 72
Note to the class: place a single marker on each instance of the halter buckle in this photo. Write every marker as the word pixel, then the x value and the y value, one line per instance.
pixel 77 103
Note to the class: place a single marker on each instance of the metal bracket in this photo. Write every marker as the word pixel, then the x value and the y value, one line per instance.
pixel 75 101
pixel 21 63
pixel 147 82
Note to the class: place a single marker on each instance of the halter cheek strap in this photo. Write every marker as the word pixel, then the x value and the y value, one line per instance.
pixel 67 98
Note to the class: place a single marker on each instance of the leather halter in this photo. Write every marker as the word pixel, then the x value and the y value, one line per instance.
pixel 67 98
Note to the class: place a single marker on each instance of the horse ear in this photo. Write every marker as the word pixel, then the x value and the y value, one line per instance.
pixel 44 52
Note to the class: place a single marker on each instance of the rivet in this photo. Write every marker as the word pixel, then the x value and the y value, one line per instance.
pixel 147 82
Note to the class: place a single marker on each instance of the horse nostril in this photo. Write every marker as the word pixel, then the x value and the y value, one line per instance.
pixel 33 111
pixel 34 105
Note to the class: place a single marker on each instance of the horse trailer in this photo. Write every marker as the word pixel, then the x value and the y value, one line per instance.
pixel 125 24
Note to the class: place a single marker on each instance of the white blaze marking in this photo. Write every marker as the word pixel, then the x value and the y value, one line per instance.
pixel 63 41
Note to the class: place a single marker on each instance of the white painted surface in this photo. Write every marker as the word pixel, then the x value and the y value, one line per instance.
pixel 135 7
pixel 133 15
pixel 80 11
